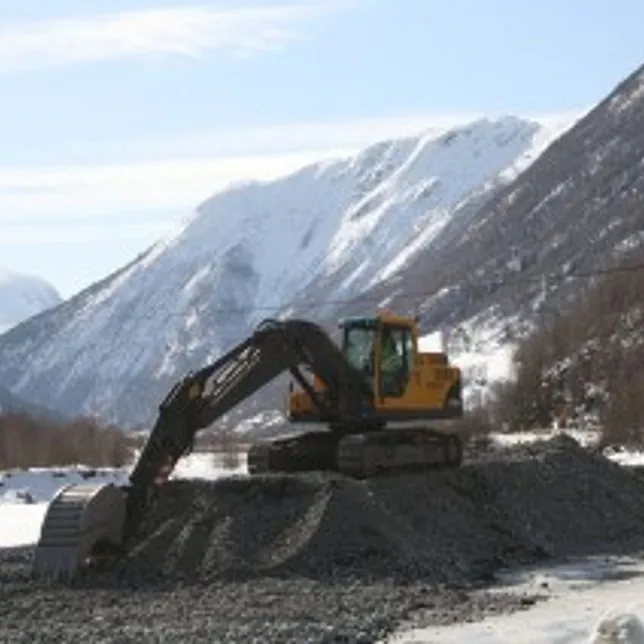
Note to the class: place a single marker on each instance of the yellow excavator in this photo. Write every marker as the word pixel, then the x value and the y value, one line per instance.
pixel 372 396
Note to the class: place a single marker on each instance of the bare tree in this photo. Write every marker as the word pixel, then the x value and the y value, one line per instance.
pixel 29 442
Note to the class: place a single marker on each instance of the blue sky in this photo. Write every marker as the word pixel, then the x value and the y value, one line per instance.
pixel 118 117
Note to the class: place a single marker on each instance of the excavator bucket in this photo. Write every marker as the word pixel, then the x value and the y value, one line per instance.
pixel 79 518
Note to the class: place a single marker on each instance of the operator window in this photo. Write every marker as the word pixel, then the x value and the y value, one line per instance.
pixel 395 362
pixel 359 349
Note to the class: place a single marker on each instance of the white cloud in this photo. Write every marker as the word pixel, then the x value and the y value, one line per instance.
pixel 272 139
pixel 89 190
pixel 279 139
pixel 176 31
pixel 185 175
pixel 44 234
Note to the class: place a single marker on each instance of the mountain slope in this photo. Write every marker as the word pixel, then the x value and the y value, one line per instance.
pixel 9 403
pixel 340 226
pixel 22 296
pixel 577 209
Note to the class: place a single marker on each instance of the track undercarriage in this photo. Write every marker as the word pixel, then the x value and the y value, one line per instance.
pixel 359 455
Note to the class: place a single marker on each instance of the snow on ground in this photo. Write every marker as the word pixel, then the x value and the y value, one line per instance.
pixel 24 494
pixel 587 438
pixel 262 421
pixel 206 466
pixel 38 485
pixel 20 524
pixel 580 594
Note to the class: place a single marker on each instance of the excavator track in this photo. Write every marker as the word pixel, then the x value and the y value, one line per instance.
pixel 398 450
pixel 306 452
pixel 79 520
pixel 359 455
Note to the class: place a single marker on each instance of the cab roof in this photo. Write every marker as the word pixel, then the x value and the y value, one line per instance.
pixel 385 317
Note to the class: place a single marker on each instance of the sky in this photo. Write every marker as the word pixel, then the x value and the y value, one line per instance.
pixel 118 117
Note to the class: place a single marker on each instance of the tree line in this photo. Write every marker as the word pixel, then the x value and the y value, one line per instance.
pixel 26 441
pixel 581 366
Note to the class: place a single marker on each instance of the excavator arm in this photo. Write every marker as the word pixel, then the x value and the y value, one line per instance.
pixel 203 397
pixel 77 524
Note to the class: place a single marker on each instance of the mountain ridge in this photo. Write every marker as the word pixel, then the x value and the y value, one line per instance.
pixel 22 296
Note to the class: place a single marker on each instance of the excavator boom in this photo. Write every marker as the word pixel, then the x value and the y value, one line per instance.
pixel 73 529
pixel 203 397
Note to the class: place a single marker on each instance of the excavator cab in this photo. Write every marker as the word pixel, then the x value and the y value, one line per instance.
pixel 382 349
pixel 407 384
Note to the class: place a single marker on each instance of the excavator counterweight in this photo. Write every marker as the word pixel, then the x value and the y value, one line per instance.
pixel 365 392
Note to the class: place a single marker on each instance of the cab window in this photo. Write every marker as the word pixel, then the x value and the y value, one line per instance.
pixel 396 360
pixel 358 348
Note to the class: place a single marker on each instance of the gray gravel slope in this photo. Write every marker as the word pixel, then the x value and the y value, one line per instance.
pixel 319 558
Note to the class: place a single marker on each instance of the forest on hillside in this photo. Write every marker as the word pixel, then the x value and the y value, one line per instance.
pixel 585 365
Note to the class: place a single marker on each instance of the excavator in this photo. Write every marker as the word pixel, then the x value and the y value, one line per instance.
pixel 367 400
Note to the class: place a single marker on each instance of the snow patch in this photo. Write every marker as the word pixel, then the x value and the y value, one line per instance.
pixel 625 100
pixel 586 438
pixel 206 466
pixel 617 627
pixel 42 484
pixel 25 493
pixel 585 599
pixel 262 421
pixel 476 347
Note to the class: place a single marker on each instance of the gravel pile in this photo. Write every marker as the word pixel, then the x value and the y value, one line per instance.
pixel 528 504
pixel 319 558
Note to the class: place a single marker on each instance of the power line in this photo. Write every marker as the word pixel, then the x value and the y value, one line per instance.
pixel 126 341
pixel 410 296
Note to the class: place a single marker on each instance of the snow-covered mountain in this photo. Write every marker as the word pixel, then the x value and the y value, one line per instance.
pixel 22 296
pixel 534 245
pixel 10 403
pixel 331 229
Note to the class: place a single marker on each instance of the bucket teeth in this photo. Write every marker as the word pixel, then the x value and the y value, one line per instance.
pixel 78 518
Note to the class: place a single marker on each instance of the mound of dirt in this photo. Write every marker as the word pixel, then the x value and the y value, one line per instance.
pixel 547 500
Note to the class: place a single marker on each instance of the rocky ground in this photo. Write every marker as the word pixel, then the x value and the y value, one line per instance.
pixel 319 558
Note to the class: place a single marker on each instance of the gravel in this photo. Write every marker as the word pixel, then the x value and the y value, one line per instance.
pixel 321 558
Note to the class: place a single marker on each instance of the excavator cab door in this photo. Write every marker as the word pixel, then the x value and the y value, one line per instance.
pixel 382 351
pixel 396 360
pixel 359 345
